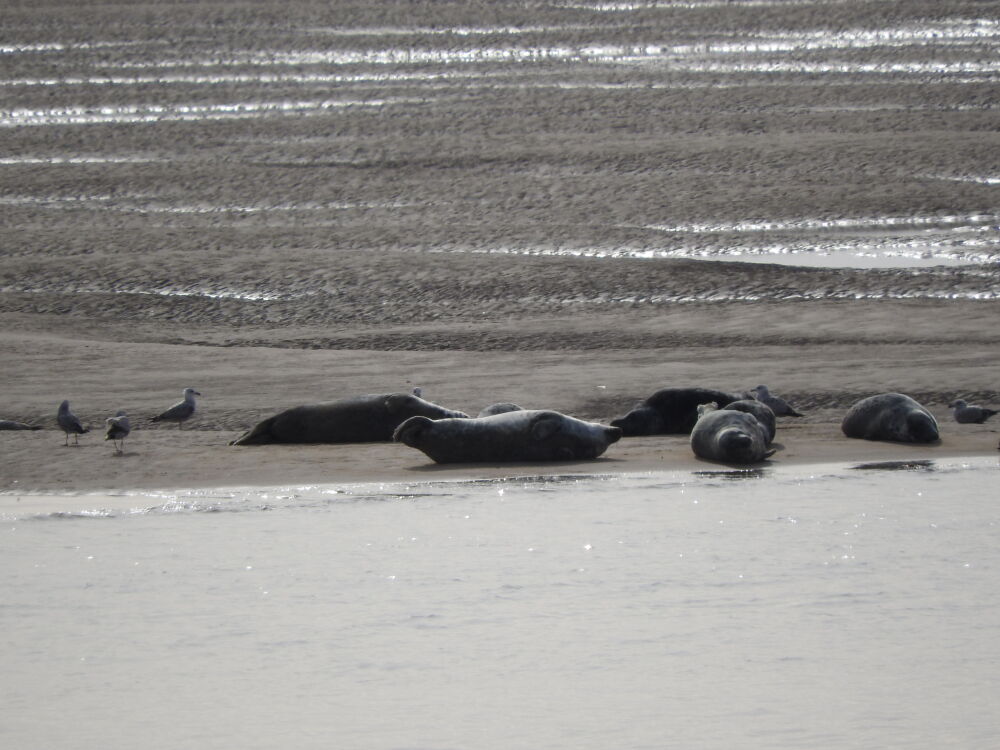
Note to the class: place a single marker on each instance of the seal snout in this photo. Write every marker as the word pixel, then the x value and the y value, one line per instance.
pixel 612 434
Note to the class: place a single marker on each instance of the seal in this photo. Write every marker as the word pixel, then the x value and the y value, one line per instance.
pixel 760 410
pixel 522 435
pixel 730 436
pixel 10 424
pixel 670 411
pixel 966 413
pixel 890 416
pixel 361 419
pixel 501 408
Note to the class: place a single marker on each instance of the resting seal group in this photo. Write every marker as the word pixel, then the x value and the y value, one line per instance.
pixel 732 427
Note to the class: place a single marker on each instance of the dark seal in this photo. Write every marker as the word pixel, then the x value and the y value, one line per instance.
pixel 361 419
pixel 522 435
pixel 890 416
pixel 670 411
pixel 10 424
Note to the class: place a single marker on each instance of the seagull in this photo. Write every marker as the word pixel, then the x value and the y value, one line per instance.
pixel 69 423
pixel 779 406
pixel 180 411
pixel 118 430
pixel 970 413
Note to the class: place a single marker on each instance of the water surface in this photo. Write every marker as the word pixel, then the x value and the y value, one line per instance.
pixel 795 607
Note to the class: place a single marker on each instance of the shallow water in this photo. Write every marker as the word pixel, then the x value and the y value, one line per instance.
pixel 798 607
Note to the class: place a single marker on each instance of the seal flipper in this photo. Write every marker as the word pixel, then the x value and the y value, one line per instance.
pixel 260 434
pixel 544 427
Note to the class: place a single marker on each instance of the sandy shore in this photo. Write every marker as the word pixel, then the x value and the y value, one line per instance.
pixel 514 210
pixel 243 384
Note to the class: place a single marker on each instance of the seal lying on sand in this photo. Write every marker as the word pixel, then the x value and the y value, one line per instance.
pixel 522 435
pixel 501 408
pixel 760 410
pixel 890 416
pixel 670 411
pixel 730 436
pixel 361 419
pixel 10 424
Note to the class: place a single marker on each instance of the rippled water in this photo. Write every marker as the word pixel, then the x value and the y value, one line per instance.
pixel 822 606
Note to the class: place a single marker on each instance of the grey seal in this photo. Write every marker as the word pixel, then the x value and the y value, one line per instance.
pixel 966 413
pixel 522 435
pixel 890 416
pixel 500 408
pixel 670 411
pixel 779 406
pixel 760 410
pixel 69 424
pixel 10 424
pixel 118 430
pixel 730 436
pixel 371 418
pixel 181 411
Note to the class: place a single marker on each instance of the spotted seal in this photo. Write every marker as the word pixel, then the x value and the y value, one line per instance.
pixel 760 410
pixel 890 416
pixel 522 435
pixel 730 436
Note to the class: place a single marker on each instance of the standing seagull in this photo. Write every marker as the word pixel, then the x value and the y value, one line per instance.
pixel 69 423
pixel 118 430
pixel 779 406
pixel 180 411
pixel 970 413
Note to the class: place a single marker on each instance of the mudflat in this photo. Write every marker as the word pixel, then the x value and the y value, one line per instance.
pixel 565 206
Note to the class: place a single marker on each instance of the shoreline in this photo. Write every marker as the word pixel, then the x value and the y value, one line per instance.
pixel 18 504
pixel 174 461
